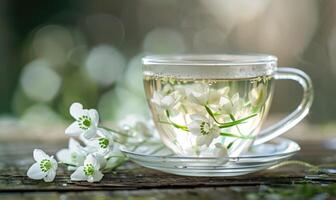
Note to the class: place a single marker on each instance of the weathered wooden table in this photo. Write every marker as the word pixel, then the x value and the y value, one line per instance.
pixel 292 181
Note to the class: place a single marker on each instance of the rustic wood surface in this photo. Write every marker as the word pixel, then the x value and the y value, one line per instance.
pixel 136 181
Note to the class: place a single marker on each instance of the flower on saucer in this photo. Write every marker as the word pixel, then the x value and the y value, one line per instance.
pixel 75 154
pixel 205 129
pixel 86 121
pixel 90 171
pixel 44 168
pixel 257 95
pixel 220 150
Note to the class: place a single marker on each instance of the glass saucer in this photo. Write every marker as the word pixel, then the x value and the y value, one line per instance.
pixel 257 158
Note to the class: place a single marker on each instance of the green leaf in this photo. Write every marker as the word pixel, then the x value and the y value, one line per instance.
pixel 233 123
pixel 211 114
pixel 235 136
pixel 230 145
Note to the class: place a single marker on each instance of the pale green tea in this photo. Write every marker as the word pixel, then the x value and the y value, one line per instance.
pixel 200 117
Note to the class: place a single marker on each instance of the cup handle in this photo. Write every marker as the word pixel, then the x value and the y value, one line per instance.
pixel 299 113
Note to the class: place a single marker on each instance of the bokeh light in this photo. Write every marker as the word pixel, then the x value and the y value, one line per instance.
pixel 104 64
pixel 39 81
pixel 164 41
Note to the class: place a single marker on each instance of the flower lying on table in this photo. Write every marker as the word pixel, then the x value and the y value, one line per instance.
pixel 99 151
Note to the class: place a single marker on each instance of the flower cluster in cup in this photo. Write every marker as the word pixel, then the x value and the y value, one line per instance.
pixel 208 118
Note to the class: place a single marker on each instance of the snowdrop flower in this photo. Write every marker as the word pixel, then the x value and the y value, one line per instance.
pixel 86 121
pixel 136 127
pixel 90 171
pixel 75 154
pixel 204 129
pixel 198 95
pixel 44 168
pixel 230 106
pixel 216 94
pixel 102 144
pixel 220 150
pixel 257 95
pixel 163 101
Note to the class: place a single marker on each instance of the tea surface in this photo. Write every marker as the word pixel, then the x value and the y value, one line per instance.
pixel 201 117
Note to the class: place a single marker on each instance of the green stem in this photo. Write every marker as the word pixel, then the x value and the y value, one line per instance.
pixel 297 162
pixel 234 123
pixel 234 119
pixel 229 124
pixel 235 136
pixel 64 163
pixel 117 164
pixel 184 128
pixel 115 131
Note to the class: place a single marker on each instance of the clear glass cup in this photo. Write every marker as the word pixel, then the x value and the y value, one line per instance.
pixel 214 105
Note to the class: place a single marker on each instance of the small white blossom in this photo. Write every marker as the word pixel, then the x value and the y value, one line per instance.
pixel 102 144
pixel 75 154
pixel 220 150
pixel 257 95
pixel 90 171
pixel 44 168
pixel 86 121
pixel 163 101
pixel 230 106
pixel 136 127
pixel 198 95
pixel 205 129
pixel 216 94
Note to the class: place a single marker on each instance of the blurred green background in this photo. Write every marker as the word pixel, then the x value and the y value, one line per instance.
pixel 53 53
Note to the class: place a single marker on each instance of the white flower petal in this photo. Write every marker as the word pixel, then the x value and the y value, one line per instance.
pixel 103 133
pixel 76 110
pixel 97 176
pixel 73 145
pixel 235 97
pixel 73 130
pixel 220 150
pixel 91 159
pixel 64 155
pixel 93 114
pixel 204 140
pixel 35 172
pixel 101 161
pixel 50 176
pixel 39 155
pixel 78 174
pixel 90 133
pixel 197 117
pixel 194 128
pixel 167 101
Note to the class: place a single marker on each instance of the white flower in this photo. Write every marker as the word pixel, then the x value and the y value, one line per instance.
pixel 230 106
pixel 136 127
pixel 44 168
pixel 90 171
pixel 220 150
pixel 163 101
pixel 74 154
pixel 102 144
pixel 204 129
pixel 257 95
pixel 199 94
pixel 216 94
pixel 86 121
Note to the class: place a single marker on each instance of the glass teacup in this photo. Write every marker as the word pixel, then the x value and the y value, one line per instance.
pixel 214 105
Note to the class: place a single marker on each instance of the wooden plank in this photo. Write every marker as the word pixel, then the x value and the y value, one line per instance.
pixel 16 158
